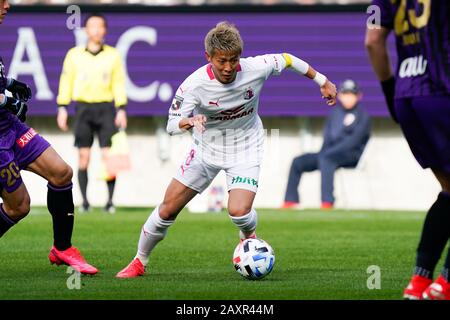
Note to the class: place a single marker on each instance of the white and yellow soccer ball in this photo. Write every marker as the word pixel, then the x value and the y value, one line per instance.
pixel 253 258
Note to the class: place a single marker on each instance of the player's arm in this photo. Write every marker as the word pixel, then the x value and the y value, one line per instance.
pixel 327 88
pixel 376 46
pixel 181 118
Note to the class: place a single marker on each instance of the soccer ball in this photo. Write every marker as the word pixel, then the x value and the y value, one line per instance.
pixel 253 258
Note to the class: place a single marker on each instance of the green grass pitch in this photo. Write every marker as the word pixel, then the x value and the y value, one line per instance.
pixel 319 255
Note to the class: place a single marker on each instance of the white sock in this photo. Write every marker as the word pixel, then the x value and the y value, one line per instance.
pixel 153 231
pixel 246 224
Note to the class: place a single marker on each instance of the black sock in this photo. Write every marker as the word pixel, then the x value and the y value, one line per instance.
pixel 60 206
pixel 446 268
pixel 435 234
pixel 83 182
pixel 5 221
pixel 111 184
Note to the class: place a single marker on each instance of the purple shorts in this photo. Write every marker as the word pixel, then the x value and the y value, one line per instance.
pixel 425 122
pixel 19 146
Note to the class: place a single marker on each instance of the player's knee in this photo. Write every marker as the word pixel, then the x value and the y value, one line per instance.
pixel 20 210
pixel 167 211
pixel 63 176
pixel 239 210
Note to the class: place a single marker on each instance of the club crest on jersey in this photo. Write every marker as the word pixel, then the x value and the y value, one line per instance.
pixel 248 94
pixel 176 103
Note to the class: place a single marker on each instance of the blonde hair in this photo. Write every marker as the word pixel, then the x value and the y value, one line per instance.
pixel 224 37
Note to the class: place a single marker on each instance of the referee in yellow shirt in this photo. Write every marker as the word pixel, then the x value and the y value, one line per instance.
pixel 94 78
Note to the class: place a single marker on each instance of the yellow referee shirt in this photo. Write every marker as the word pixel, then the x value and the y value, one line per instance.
pixel 92 78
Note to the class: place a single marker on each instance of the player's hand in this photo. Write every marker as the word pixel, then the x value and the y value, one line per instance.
pixel 61 119
pixel 329 92
pixel 198 121
pixel 19 90
pixel 17 107
pixel 121 119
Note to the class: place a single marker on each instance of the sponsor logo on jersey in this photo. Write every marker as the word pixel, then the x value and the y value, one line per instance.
pixel 248 94
pixel 177 102
pixel 26 137
pixel 245 180
pixel 232 114
pixel 214 103
pixel 412 67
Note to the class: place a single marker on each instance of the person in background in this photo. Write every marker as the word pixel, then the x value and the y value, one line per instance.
pixel 93 76
pixel 346 133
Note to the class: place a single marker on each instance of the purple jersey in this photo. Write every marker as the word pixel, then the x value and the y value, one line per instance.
pixel 5 115
pixel 422 32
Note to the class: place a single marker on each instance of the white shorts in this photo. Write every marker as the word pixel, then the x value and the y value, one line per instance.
pixel 197 174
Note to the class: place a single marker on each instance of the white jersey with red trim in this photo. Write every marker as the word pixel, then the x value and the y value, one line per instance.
pixel 233 124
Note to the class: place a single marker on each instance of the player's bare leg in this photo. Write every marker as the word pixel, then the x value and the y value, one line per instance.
pixel 84 156
pixel 155 228
pixel 242 214
pixel 58 173
pixel 15 207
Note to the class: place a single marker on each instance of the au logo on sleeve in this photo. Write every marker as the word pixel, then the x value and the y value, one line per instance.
pixel 176 103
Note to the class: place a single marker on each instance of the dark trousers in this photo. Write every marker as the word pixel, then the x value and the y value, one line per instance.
pixel 326 163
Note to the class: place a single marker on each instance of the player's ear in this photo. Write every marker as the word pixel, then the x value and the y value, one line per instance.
pixel 207 56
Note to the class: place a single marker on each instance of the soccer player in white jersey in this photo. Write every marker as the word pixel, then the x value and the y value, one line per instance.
pixel 219 103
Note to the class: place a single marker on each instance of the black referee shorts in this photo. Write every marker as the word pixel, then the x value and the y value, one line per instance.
pixel 94 118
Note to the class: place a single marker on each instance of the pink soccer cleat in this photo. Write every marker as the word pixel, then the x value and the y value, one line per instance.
pixel 243 237
pixel 133 270
pixel 73 258
pixel 438 290
pixel 416 287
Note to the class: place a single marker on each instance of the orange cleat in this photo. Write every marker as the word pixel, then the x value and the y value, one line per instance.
pixel 290 205
pixel 73 258
pixel 416 287
pixel 133 270
pixel 438 290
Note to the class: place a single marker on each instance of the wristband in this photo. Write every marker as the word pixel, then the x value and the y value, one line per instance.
pixel 320 79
